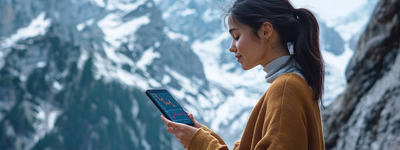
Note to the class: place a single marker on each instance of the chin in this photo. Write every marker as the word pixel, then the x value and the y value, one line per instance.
pixel 244 68
pixel 247 67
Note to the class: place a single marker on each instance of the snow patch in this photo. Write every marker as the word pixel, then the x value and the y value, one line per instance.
pixel 118 114
pixel 328 9
pixel 147 58
pixel 188 12
pixel 109 72
pixel 41 64
pixel 157 44
pixel 9 129
pixel 133 135
pixel 23 78
pixel 6 105
pixel 166 79
pixel 210 52
pixel 241 99
pixel 82 59
pixel 124 6
pixel 38 26
pixel 135 109
pixel 175 36
pixel 46 117
pixel 57 86
pixel 99 3
pixel 149 4
pixel 146 145
pixel 335 80
pixel 347 31
pixel 81 26
pixel 116 31
pixel 211 15
pixel 116 57
pixel 190 87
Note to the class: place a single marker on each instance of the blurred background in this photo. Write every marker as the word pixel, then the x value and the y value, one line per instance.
pixel 73 72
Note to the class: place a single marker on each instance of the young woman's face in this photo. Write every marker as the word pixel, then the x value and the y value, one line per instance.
pixel 248 50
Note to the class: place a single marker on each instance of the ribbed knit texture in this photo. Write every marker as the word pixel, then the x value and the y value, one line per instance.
pixel 280 66
pixel 285 118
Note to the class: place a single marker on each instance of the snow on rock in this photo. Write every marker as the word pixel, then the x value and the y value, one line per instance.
pixel 147 58
pixel 38 26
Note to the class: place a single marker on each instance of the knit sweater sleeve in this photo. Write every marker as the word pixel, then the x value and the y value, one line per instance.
pixel 206 139
pixel 281 120
pixel 285 124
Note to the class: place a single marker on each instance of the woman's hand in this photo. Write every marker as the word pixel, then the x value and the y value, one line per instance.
pixel 196 124
pixel 181 131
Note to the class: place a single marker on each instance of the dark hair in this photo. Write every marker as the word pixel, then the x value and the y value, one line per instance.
pixel 298 26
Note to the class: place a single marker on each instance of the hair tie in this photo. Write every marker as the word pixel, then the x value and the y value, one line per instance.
pixel 295 13
pixel 290 46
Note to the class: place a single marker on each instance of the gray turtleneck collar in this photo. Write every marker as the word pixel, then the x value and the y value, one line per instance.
pixel 281 66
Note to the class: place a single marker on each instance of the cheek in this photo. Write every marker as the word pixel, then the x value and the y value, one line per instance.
pixel 245 48
pixel 242 47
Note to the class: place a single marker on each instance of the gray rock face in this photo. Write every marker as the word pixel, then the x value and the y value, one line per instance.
pixel 366 115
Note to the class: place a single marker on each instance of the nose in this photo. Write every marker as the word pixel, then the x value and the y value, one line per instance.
pixel 232 48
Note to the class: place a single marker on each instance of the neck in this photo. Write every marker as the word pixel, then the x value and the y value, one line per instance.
pixel 280 66
pixel 278 51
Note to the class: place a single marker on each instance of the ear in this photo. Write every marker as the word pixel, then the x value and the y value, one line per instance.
pixel 265 31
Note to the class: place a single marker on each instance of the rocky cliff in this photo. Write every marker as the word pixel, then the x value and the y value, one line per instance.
pixel 366 115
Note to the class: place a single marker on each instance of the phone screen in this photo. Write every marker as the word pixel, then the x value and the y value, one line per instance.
pixel 168 106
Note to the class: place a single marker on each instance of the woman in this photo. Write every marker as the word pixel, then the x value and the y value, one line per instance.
pixel 285 41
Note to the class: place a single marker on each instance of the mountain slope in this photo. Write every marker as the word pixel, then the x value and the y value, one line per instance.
pixel 364 116
pixel 73 73
pixel 74 77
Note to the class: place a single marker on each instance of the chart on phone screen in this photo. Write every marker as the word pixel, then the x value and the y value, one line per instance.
pixel 174 112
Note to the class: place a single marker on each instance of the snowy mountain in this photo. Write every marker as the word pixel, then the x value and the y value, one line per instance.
pixel 74 76
pixel 73 73
pixel 349 28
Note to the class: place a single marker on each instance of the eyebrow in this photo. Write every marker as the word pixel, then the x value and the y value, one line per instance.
pixel 233 29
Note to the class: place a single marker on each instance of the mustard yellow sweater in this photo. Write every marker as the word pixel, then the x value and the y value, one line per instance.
pixel 285 118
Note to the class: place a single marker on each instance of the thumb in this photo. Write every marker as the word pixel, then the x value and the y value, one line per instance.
pixel 190 115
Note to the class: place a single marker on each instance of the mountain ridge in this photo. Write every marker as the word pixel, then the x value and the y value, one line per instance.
pixel 84 72
pixel 363 116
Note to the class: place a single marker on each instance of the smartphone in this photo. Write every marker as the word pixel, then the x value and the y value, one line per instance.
pixel 168 106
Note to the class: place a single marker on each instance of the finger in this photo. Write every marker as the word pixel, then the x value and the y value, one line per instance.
pixel 196 124
pixel 172 130
pixel 189 114
pixel 169 123
pixel 166 121
pixel 178 126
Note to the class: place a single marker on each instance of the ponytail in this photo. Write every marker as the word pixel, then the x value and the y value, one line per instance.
pixel 307 51
pixel 297 26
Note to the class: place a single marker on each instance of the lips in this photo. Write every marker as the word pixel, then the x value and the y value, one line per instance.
pixel 238 57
